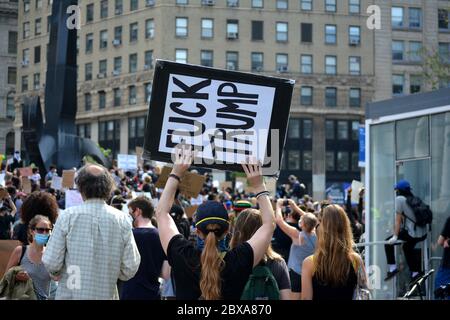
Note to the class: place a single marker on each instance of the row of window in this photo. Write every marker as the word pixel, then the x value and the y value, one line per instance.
pixel 399 84
pixel 341 161
pixel 117 94
pixel 413 53
pixel 334 129
pixel 331 96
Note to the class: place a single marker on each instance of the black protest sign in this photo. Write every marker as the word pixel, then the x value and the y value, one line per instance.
pixel 226 116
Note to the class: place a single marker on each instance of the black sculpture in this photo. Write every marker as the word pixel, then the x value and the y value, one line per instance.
pixel 55 141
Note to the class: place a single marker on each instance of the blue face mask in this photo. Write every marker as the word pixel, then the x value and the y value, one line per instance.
pixel 222 245
pixel 41 239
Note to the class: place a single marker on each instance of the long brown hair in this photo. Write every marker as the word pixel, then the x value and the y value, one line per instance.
pixel 212 265
pixel 334 252
pixel 247 223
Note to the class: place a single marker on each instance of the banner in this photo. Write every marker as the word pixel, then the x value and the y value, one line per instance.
pixel 337 192
pixel 127 162
pixel 362 146
pixel 226 116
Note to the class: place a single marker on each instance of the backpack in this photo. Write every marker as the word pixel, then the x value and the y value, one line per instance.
pixel 422 212
pixel 261 285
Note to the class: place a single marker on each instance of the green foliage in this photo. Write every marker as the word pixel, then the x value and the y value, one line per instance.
pixel 434 69
pixel 106 152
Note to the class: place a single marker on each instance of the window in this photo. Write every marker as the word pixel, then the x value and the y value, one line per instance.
pixel 398 49
pixel 103 39
pixel 90 12
pixel 12 42
pixel 26 5
pixel 306 5
pixel 354 35
pixel 104 9
pixel 257 3
pixel 134 5
pixel 24 83
pixel 415 51
pixel 330 34
pixel 26 30
pixel 307 160
pixel 232 59
pixel 306 96
pixel 12 75
pixel 355 161
pixel 117 66
pixel 330 97
pixel 118 7
pixel 132 94
pixel 182 2
pixel 307 129
pixel 329 161
pixel 88 71
pixel 148 91
pixel 398 81
pixel 294 159
pixel 355 130
pixel 148 59
pixel 206 58
pixel 330 64
pixel 103 67
pixel 444 19
pixel 342 130
pixel 149 29
pixel 282 4
pixel 89 42
pixel 294 128
pixel 342 161
pixel 415 17
pixel 87 102
pixel 38 4
pixel 282 62
pixel 26 56
pixel 37 54
pixel 329 130
pixel 354 65
pixel 354 6
pixel 132 127
pixel 181 55
pixel 117 97
pixel 306 63
pixel 306 32
pixel 132 63
pixel 397 17
pixel 38 26
pixel 282 32
pixel 415 83
pixel 257 30
pixel 232 29
pixel 181 27
pixel 232 3
pixel 330 5
pixel 257 61
pixel 10 109
pixel 355 97
pixel 134 32
pixel 118 35
pixel 207 28
pixel 101 99
pixel 444 52
pixel 84 130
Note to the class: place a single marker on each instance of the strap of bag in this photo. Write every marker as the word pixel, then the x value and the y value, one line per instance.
pixel 24 248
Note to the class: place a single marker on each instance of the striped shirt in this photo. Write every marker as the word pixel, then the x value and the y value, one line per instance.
pixel 91 247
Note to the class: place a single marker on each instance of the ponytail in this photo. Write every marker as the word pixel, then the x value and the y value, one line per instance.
pixel 212 264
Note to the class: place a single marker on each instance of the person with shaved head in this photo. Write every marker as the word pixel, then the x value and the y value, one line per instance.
pixel 92 245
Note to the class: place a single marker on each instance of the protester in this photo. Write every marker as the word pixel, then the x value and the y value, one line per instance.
pixel 354 217
pixel 29 257
pixel 443 274
pixel 52 173
pixel 331 273
pixel 36 176
pixel 94 237
pixel 297 189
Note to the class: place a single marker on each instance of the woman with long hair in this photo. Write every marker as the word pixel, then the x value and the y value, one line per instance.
pixel 331 273
pixel 207 270
pixel 245 227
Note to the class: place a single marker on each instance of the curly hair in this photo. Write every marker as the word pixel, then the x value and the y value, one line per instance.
pixel 94 184
pixel 39 203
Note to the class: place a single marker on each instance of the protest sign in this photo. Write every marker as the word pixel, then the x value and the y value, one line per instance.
pixel 225 185
pixel 241 183
pixel 68 179
pixel 191 184
pixel 139 153
pixel 190 211
pixel 127 162
pixel 197 201
pixel 356 186
pixel 26 185
pixel 2 179
pixel 57 183
pixel 26 172
pixel 226 116
pixel 73 198
pixel 271 186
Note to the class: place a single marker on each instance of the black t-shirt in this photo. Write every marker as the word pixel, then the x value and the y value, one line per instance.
pixel 280 272
pixel 185 261
pixel 446 234
pixel 144 285
pixel 5 225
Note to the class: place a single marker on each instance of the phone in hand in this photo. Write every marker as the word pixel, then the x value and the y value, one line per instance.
pixel 285 203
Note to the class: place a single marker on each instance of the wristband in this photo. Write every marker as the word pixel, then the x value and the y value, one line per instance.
pixel 175 177
pixel 262 193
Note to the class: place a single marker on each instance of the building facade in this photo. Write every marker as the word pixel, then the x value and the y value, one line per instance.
pixel 324 45
pixel 8 52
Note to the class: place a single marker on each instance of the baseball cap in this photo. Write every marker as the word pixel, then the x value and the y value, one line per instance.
pixel 176 211
pixel 402 185
pixel 211 212
pixel 241 205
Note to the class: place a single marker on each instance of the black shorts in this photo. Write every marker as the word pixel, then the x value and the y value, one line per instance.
pixel 296 281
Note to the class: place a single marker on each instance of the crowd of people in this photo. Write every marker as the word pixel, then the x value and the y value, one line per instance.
pixel 97 251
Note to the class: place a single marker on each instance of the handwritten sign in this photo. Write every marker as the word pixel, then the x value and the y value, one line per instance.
pixel 26 172
pixel 127 162
pixel 26 184
pixel 190 185
pixel 73 198
pixel 190 211
pixel 225 185
pixel 68 179
pixel 2 179
pixel 356 186
pixel 57 183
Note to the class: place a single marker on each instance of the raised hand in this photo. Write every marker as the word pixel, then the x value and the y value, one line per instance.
pixel 253 170
pixel 182 156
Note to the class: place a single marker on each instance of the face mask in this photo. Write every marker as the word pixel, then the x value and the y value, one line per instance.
pixel 222 245
pixel 41 239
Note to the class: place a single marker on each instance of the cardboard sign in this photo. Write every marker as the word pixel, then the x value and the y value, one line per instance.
pixel 190 185
pixel 26 172
pixel 139 153
pixel 57 183
pixel 6 249
pixel 3 193
pixel 225 185
pixel 127 162
pixel 226 116
pixel 26 185
pixel 356 186
pixel 73 198
pixel 190 211
pixel 68 179
pixel 2 179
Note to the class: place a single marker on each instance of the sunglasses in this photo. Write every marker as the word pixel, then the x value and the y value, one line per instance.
pixel 42 230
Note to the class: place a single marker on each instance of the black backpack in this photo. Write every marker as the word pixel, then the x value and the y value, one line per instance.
pixel 422 212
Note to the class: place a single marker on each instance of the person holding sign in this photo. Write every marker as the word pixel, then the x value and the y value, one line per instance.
pixel 202 271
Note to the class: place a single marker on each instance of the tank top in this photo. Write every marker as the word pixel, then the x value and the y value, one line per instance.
pixel 38 274
pixel 298 253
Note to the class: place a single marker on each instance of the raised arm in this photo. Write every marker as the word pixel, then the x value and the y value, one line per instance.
pixel 261 239
pixel 12 205
pixel 296 208
pixel 292 232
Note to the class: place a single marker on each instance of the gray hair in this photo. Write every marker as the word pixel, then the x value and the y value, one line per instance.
pixel 94 181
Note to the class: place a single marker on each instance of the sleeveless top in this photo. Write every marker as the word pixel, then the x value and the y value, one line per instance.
pixel 322 291
pixel 298 253
pixel 38 274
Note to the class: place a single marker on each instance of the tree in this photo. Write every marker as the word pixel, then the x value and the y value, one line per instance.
pixel 435 68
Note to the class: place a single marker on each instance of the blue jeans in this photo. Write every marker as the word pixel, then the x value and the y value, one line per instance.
pixel 442 278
